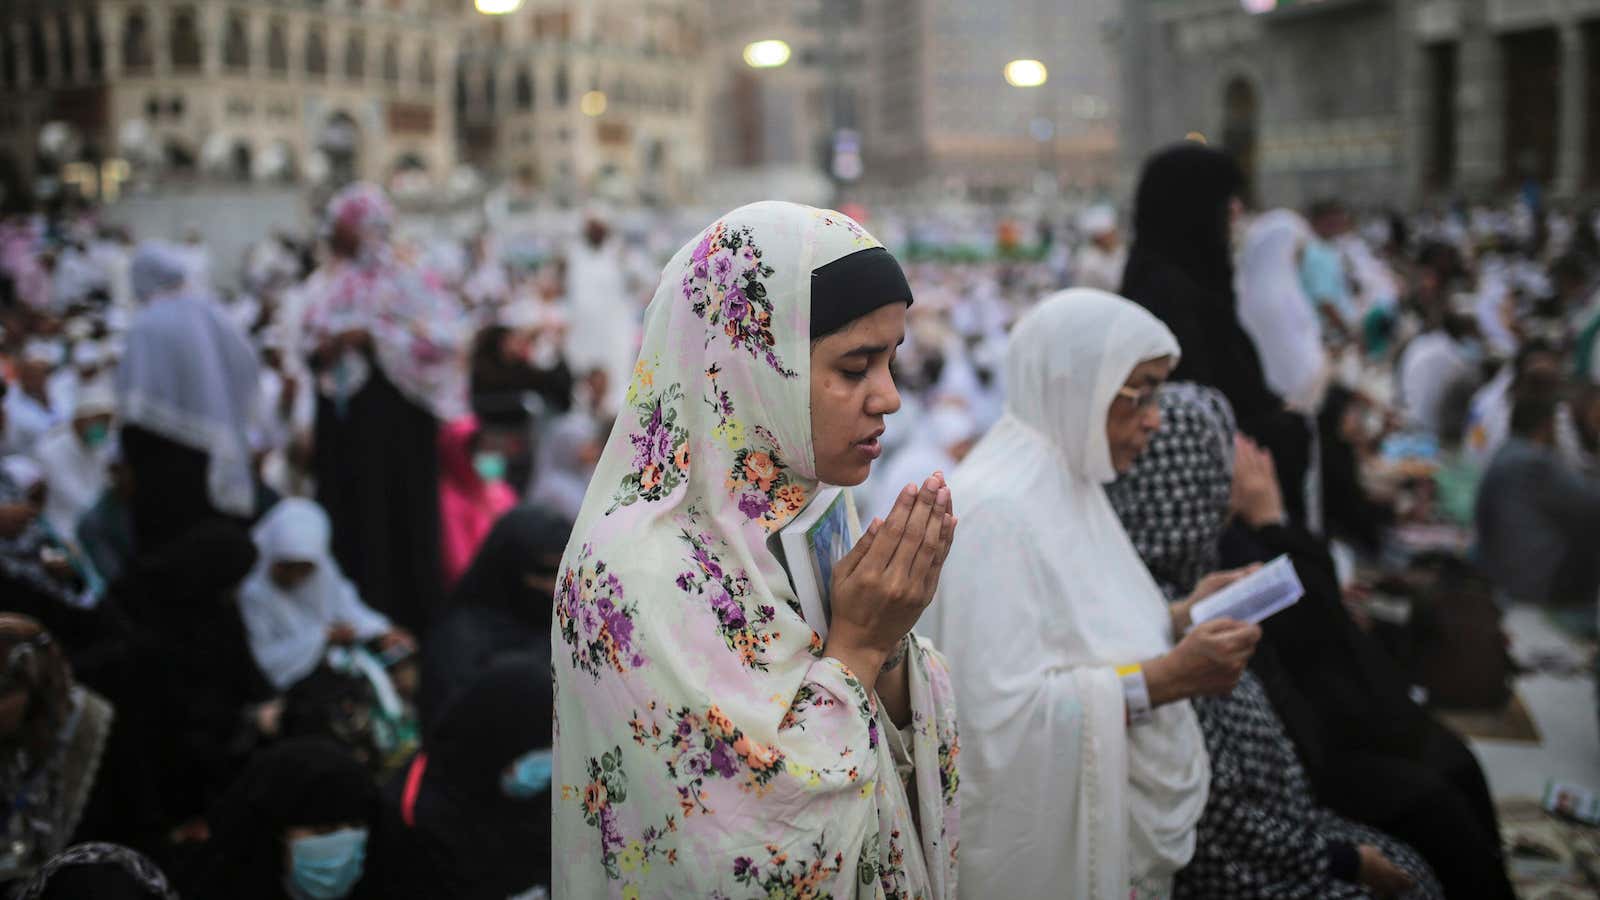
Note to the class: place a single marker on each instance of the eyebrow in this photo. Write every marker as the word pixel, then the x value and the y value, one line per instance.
pixel 870 349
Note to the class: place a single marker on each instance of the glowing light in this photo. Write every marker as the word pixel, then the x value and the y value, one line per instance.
pixel 498 7
pixel 768 54
pixel 1026 73
pixel 593 104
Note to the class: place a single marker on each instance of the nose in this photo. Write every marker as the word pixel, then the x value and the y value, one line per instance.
pixel 1151 419
pixel 884 398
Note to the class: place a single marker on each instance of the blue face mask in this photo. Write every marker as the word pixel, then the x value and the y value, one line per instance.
pixel 327 866
pixel 529 776
pixel 96 434
pixel 490 466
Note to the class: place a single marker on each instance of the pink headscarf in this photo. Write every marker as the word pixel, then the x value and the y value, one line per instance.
pixel 468 505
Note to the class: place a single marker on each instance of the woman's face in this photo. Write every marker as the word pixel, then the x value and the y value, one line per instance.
pixel 289 574
pixel 1135 414
pixel 851 392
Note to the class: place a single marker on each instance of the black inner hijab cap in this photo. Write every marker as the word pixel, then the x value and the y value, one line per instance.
pixel 852 286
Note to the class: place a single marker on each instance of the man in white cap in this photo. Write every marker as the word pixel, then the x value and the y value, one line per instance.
pixel 74 456
pixel 88 361
pixel 1100 261
pixel 29 412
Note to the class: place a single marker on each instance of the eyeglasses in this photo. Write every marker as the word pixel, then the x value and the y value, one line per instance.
pixel 1142 401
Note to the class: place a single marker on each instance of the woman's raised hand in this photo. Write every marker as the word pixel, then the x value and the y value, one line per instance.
pixel 881 587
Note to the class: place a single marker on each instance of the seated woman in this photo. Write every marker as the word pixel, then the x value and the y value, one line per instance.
pixel 66 773
pixel 472 494
pixel 1262 834
pixel 502 605
pixel 469 818
pixel 293 826
pixel 1084 769
pixel 710 741
pixel 1373 755
pixel 296 603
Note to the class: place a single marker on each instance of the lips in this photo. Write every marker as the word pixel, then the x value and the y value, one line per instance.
pixel 870 447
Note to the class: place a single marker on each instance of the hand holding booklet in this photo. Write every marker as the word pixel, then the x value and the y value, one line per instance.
pixel 1270 589
pixel 809 547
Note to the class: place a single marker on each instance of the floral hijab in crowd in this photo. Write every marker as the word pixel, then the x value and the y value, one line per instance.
pixel 704 746
pixel 418 332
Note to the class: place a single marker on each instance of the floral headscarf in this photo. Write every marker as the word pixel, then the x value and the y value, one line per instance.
pixel 1174 501
pixel 704 746
pixel 419 333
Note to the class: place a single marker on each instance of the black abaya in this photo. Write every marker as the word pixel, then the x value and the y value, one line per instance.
pixel 502 605
pixel 377 471
pixel 1373 755
pixel 449 830
pixel 169 487
pixel 1180 268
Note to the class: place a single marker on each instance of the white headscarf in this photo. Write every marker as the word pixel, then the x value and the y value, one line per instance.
pixel 1043 595
pixel 288 629
pixel 189 375
pixel 76 472
pixel 562 478
pixel 1277 314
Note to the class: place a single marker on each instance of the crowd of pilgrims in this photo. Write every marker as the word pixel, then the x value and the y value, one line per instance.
pixel 286 569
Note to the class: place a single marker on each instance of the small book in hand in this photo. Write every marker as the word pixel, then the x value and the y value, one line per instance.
pixel 811 545
pixel 1270 589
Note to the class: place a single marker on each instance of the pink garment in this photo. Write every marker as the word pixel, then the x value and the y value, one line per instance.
pixel 468 505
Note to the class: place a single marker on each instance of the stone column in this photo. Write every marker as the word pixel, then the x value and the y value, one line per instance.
pixel 1480 109
pixel 1572 127
pixel 111 25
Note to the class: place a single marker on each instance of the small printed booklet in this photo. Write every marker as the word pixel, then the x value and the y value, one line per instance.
pixel 809 547
pixel 1270 589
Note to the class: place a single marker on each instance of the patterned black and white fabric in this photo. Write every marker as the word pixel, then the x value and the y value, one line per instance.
pixel 1174 501
pixel 99 870
pixel 1262 834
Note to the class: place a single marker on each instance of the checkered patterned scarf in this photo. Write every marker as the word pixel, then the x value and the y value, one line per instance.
pixel 1174 501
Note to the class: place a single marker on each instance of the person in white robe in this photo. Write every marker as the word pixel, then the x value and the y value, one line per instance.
pixel 75 455
pixel 296 603
pixel 29 410
pixel 1099 262
pixel 605 327
pixel 1083 768
pixel 1276 312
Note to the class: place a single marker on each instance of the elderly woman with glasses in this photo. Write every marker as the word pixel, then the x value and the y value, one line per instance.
pixel 1083 770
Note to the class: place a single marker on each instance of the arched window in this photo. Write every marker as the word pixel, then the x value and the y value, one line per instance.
pixel 38 55
pixel 316 53
pixel 355 56
pixel 236 44
pixel 136 41
pixel 65 47
pixel 391 61
pixel 490 91
pixel 92 43
pixel 524 89
pixel 185 44
pixel 277 47
pixel 562 88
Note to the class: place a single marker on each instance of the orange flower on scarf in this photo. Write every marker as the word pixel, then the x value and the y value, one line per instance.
pixel 760 470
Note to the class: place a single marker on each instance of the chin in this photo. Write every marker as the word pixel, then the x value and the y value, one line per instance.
pixel 846 475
